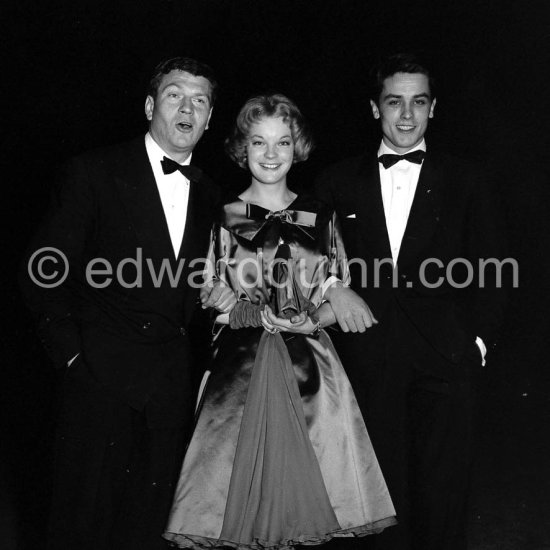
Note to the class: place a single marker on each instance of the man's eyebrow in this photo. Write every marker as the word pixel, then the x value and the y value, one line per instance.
pixel 177 86
pixel 170 85
pixel 388 96
pixel 397 96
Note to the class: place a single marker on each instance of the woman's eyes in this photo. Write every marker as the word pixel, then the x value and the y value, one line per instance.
pixel 284 143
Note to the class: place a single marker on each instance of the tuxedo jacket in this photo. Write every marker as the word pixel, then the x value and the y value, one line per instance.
pixel 130 328
pixel 453 216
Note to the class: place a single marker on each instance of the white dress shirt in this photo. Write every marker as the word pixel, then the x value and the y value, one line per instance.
pixel 398 185
pixel 173 190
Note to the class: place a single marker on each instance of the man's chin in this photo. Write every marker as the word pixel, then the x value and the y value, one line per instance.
pixel 408 143
pixel 184 145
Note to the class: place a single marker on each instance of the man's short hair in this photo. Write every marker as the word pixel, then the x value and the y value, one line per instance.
pixel 187 64
pixel 269 105
pixel 398 63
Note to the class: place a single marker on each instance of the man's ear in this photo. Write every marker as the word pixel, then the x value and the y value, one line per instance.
pixel 375 110
pixel 149 106
pixel 208 121
pixel 431 115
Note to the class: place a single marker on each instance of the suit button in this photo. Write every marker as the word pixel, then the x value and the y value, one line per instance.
pixel 146 325
pixel 403 276
pixel 182 331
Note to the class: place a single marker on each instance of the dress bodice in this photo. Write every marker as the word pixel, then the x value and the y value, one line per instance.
pixel 249 242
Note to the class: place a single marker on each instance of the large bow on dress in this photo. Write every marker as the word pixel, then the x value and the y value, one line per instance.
pixel 249 220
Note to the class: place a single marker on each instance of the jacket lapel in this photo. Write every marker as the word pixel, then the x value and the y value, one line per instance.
pixel 197 223
pixel 195 241
pixel 424 214
pixel 138 190
pixel 371 210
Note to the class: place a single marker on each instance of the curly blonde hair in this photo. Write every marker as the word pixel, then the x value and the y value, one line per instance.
pixel 268 105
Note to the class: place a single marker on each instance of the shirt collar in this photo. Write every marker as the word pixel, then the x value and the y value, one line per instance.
pixel 156 153
pixel 385 150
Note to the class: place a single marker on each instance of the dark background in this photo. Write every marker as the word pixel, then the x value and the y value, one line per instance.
pixel 75 75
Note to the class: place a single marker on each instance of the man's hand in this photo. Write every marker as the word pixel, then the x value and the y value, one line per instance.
pixel 350 310
pixel 218 296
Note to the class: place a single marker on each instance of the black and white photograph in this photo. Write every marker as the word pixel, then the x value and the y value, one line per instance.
pixel 276 275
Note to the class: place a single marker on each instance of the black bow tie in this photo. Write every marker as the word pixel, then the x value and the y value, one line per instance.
pixel 169 166
pixel 414 156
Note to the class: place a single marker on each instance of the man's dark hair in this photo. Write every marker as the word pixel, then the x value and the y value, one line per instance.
pixel 398 63
pixel 191 66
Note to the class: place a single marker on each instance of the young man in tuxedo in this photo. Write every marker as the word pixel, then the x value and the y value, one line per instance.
pixel 407 215
pixel 123 217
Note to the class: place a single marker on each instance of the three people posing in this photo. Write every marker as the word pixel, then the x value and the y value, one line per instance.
pixel 280 454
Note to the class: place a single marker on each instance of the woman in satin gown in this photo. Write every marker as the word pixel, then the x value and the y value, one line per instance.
pixel 280 455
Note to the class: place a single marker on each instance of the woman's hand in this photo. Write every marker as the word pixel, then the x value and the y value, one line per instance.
pixel 299 324
pixel 266 323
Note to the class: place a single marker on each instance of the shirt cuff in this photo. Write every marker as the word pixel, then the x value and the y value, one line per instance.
pixel 482 349
pixel 330 281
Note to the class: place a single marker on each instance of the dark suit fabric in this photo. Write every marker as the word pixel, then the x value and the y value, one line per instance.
pixel 416 373
pixel 128 399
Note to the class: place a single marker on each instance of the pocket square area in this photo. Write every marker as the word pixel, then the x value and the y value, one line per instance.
pixel 351 216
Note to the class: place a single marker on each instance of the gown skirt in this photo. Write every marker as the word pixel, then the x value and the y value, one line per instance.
pixel 280 455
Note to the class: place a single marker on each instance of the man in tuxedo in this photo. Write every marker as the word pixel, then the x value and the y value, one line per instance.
pixel 129 221
pixel 408 214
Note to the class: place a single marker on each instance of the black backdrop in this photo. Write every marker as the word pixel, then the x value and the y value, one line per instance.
pixel 75 75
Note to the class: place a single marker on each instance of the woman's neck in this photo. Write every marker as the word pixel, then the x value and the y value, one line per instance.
pixel 271 197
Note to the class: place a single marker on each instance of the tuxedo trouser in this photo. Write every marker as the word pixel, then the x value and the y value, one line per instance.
pixel 422 427
pixel 115 467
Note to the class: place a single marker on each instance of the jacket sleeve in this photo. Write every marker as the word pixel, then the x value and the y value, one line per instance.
pixel 52 274
pixel 488 254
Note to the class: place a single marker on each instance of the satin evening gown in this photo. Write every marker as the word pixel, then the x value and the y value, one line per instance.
pixel 280 454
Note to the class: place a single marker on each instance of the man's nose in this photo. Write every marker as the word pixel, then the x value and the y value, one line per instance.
pixel 186 105
pixel 406 112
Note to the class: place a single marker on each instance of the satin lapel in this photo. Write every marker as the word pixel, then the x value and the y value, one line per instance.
pixel 197 224
pixel 424 215
pixel 371 211
pixel 195 241
pixel 139 193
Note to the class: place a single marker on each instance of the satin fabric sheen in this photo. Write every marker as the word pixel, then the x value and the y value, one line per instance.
pixel 280 454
